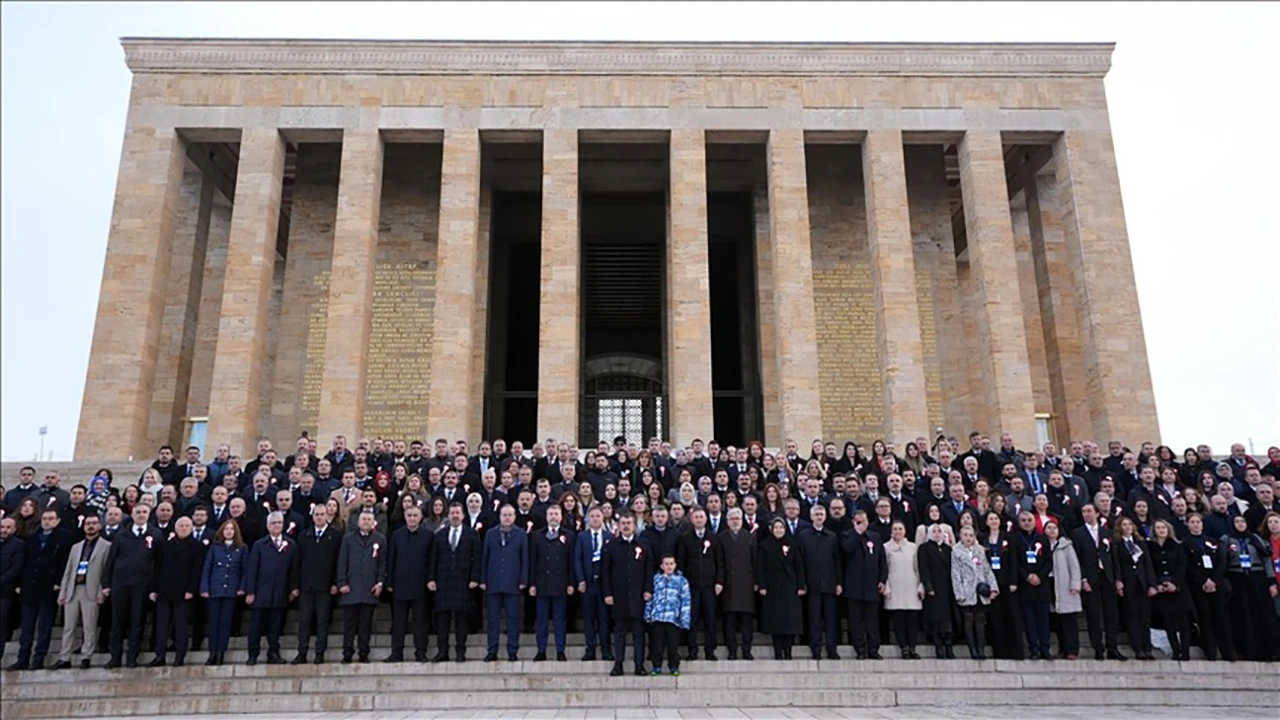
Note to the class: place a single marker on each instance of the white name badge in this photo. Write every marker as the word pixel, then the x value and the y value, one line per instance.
pixel 1246 561
pixel 1207 561
pixel 1031 557
pixel 995 562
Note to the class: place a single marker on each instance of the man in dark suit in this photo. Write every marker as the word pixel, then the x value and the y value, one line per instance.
pixel 266 584
pixel 505 575
pixel 956 507
pixel 407 581
pixel 44 560
pixel 700 556
pixel 314 583
pixel 588 566
pixel 362 572
pixel 1092 543
pixel 129 577
pixel 627 579
pixel 866 570
pixel 340 458
pixel 1033 564
pixel 820 552
pixel 988 461
pixel 453 573
pixel 12 558
pixel 551 580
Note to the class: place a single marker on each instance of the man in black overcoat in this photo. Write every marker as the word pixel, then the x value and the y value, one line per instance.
pixel 314 582
pixel 407 581
pixel 129 577
pixel 551 580
pixel 454 571
pixel 267 573
pixel 627 577
pixel 44 560
pixel 866 570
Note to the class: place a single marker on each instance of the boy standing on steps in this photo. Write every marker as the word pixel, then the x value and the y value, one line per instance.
pixel 669 611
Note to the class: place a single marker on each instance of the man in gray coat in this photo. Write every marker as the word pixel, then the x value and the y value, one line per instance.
pixel 362 569
pixel 81 592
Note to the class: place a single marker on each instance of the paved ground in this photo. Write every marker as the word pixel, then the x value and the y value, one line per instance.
pixel 955 712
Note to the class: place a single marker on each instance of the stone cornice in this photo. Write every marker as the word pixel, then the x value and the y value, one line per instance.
pixel 414 57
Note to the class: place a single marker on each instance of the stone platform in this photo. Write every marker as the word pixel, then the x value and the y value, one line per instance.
pixel 388 689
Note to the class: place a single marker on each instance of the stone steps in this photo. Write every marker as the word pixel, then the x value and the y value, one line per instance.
pixel 276 690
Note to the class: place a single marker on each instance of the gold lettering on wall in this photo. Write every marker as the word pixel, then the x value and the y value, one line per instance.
pixel 848 360
pixel 399 354
pixel 929 347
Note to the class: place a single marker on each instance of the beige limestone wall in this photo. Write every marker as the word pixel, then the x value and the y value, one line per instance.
pixel 206 341
pixel 1029 294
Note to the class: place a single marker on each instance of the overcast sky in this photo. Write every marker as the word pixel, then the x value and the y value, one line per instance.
pixel 1193 94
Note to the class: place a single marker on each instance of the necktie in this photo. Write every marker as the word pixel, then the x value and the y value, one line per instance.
pixel 137 531
pixel 453 539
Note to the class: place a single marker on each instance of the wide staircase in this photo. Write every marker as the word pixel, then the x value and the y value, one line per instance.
pixel 378 687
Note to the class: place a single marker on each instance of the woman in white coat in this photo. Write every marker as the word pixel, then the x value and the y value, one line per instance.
pixel 1066 591
pixel 969 569
pixel 904 593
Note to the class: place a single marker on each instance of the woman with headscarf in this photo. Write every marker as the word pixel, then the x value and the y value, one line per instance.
pixel 99 491
pixel 1251 574
pixel 781 580
pixel 935 574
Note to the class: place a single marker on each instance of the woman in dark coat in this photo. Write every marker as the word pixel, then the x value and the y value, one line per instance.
pixel 780 575
pixel 1251 575
pixel 1135 584
pixel 1207 580
pixel 178 580
pixel 221 582
pixel 1172 602
pixel 1006 608
pixel 934 561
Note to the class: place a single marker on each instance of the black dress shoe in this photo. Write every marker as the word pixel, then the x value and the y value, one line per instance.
pixel 346 659
pixel 540 657
pixel 875 655
pixel 209 662
pixel 440 657
pixel 512 657
pixel 832 654
pixel 364 659
pixel 607 655
pixel 179 662
pixel 1116 655
pixel 253 660
pixel 394 658
pixel 84 664
pixel 733 654
pixel 319 659
pixel 491 657
pixel 641 672
pixel 112 664
pixel 1099 654
pixel 588 656
pixel 711 655
pixel 561 657
pixel 274 659
pixel 616 671
pixel 746 655
pixel 131 664
pixel 420 657
pixel 693 654
pixel 64 665
pixel 461 657
pixel 158 661
pixel 299 659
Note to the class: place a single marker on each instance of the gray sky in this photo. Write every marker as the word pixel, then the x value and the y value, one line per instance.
pixel 1193 94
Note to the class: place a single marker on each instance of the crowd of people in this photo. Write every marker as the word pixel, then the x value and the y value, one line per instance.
pixel 656 547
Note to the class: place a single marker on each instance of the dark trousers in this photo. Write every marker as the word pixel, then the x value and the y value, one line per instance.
pixel 220 612
pixel 974 621
pixel 496 606
pixel 461 624
pixel 1214 624
pixel 1035 614
pixel 666 641
pixel 37 627
pixel 823 621
pixel 552 609
pixel 864 626
pixel 6 606
pixel 315 609
pixel 127 615
pixel 269 621
pixel 104 625
pixel 356 618
pixel 739 625
pixel 621 628
pixel 400 610
pixel 1137 613
pixel 1101 615
pixel 906 625
pixel 595 617
pixel 1178 628
pixel 703 612
pixel 175 614
pixel 1068 632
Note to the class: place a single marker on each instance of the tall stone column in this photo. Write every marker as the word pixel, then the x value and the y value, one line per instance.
pixel 246 292
pixel 355 249
pixel 689 292
pixel 766 317
pixel 1046 202
pixel 893 274
pixel 797 342
pixel 1002 338
pixel 1117 373
pixel 559 318
pixel 453 343
pixel 120 384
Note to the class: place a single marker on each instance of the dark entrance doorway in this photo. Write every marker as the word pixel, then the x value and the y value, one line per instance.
pixel 623 286
pixel 735 367
pixel 511 402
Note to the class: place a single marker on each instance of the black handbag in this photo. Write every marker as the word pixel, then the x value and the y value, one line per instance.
pixel 984 591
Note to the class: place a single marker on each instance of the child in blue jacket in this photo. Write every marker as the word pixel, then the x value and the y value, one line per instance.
pixel 668 611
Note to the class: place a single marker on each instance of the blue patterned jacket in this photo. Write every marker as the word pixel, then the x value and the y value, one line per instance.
pixel 671 600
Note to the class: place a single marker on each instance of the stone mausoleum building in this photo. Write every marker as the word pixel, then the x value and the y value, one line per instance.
pixel 740 241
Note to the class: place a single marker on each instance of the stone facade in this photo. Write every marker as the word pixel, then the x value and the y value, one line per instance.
pixel 910 273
